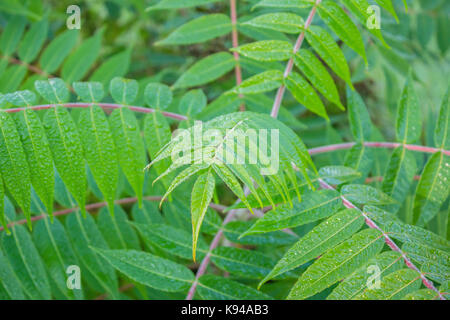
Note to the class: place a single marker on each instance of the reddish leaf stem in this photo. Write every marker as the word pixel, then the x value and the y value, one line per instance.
pixel 387 239
pixel 235 42
pixel 290 64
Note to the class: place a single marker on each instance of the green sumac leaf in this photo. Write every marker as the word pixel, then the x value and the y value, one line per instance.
pixel 33 41
pixel 192 102
pixel 356 283
pixel 149 270
pixel 12 34
pixel 362 11
pixel 422 294
pixel 318 75
pixel 359 157
pixel 26 263
pixel 399 174
pixel 363 194
pixel 339 21
pixel 234 229
pixel 57 50
pixel 199 30
pixel 432 189
pixel 329 51
pixel 337 263
pixel 173 240
pixel 89 91
pixel 388 5
pixel 315 206
pixel 53 244
pixel 305 94
pixel 124 91
pixel 115 66
pixel 409 118
pixel 84 235
pixel 116 230
pixel 40 160
pixel 100 151
pixel 80 61
pixel 358 116
pixel 67 150
pixel 212 287
pixel 285 3
pixel 338 174
pixel 130 147
pixel 14 167
pixel 394 286
pixel 206 70
pixel 442 131
pixel 262 82
pixel 326 235
pixel 53 90
pixel 21 98
pixel 278 21
pixel 9 282
pixel 178 4
pixel 241 262
pixel 158 96
pixel 201 196
pixel 266 50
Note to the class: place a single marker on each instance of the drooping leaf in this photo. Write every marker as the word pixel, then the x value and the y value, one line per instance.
pixel 67 150
pixel 26 263
pixel 130 147
pixel 40 160
pixel 100 151
pixel 201 196
pixel 14 167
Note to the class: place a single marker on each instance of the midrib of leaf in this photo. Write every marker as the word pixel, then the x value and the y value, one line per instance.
pixel 9 153
pixel 362 288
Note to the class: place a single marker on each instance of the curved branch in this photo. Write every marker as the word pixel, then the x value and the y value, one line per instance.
pixel 106 106
pixel 387 239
